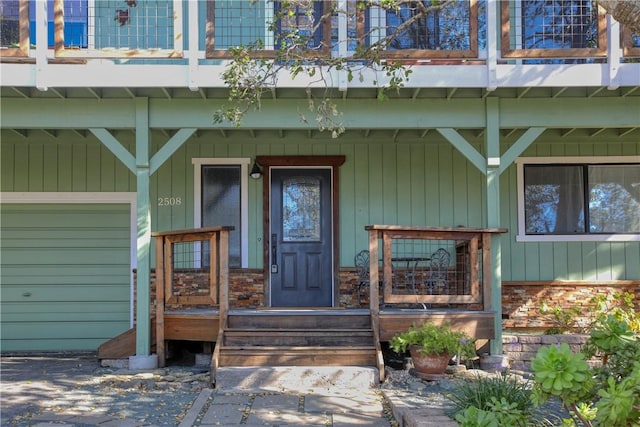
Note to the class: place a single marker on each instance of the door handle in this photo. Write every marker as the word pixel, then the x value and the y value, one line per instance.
pixel 274 253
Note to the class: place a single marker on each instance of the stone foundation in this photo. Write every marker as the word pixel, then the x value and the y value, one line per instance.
pixel 521 349
pixel 520 300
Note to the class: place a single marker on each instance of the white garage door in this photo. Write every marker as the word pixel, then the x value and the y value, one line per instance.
pixel 65 275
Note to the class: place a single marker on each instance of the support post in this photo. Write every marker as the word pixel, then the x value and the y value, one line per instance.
pixel 492 145
pixel 143 358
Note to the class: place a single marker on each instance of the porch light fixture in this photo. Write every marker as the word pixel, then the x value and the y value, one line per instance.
pixel 255 173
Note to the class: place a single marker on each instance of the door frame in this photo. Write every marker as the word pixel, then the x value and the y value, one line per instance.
pixel 268 162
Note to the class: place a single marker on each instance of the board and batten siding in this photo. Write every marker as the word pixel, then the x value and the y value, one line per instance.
pixel 65 274
pixel 408 180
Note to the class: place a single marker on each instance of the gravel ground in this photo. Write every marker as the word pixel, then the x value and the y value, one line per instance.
pixel 78 384
pixel 426 394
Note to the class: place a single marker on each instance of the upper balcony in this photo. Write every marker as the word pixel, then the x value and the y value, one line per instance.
pixel 480 44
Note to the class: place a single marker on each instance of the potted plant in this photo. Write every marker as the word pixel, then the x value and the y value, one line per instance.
pixel 431 347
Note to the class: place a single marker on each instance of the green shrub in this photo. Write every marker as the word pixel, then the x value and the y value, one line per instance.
pixel 504 396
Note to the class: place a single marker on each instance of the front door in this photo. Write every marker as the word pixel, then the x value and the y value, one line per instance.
pixel 301 266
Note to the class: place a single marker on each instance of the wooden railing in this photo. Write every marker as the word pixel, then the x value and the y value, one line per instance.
pixel 202 258
pixel 459 31
pixel 456 265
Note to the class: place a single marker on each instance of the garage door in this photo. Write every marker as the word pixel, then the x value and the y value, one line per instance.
pixel 65 275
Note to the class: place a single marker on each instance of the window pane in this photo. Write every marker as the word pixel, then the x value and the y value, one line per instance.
pixel 9 25
pixel 559 24
pixel 554 199
pixel 446 28
pixel 221 204
pixel 614 199
pixel 301 209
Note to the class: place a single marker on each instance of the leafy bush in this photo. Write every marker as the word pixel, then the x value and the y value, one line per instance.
pixel 434 339
pixel 504 397
pixel 558 372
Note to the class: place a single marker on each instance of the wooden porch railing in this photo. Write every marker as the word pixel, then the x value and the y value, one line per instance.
pixel 204 255
pixel 463 278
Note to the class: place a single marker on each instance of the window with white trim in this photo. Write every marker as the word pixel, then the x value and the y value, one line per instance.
pixel 578 199
pixel 220 190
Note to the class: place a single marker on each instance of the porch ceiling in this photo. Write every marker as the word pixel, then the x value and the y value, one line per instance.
pixel 395 134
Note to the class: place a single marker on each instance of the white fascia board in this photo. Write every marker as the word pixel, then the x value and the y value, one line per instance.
pixel 103 73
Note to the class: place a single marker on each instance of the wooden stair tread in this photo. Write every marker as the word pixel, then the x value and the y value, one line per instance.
pixel 298 331
pixel 290 349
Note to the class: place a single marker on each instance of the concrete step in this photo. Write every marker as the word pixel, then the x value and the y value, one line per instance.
pixel 301 379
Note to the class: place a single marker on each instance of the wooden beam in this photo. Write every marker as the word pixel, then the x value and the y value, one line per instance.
pixel 415 93
pixel 22 132
pixel 58 92
pixel 630 91
pixel 97 93
pixel 51 132
pixel 567 132
pixel 626 132
pixel 522 92
pixel 167 92
pixel 22 93
pixel 597 132
pixel 557 91
pixel 593 92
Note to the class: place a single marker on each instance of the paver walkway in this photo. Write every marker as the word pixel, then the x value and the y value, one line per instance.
pixel 76 391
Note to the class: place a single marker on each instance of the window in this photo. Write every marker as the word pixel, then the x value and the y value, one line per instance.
pixel 578 201
pixel 220 187
pixel 267 26
pixel 569 30
pixel 454 30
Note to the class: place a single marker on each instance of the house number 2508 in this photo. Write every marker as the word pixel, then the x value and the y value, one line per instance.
pixel 169 201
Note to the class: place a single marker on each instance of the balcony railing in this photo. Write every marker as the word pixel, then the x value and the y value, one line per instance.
pixel 561 30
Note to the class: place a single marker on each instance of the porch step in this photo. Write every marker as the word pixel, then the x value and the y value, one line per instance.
pixel 296 338
pixel 297 356
pixel 299 319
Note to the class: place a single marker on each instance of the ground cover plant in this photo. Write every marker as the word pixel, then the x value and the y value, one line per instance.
pixel 602 395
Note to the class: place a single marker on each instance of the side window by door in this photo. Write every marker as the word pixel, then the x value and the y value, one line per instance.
pixel 221 204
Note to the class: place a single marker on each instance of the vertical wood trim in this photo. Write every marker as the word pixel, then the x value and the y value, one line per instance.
pixel 210 33
pixel 387 275
pixel 374 274
pixel 23 24
pixel 168 268
pixel 474 265
pixel 486 272
pixel 214 280
pixel 58 22
pixel 160 349
pixel 224 276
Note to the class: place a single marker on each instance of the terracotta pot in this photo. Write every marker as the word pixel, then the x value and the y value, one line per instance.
pixel 429 367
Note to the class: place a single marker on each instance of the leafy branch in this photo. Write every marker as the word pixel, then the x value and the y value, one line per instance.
pixel 251 74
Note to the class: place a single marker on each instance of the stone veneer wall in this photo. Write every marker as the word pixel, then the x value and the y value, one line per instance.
pixel 521 349
pixel 520 300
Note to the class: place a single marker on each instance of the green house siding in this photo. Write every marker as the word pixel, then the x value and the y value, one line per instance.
pixel 409 180
pixel 65 273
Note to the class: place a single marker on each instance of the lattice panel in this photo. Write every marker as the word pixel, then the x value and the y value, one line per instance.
pixel 9 24
pixel 130 25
